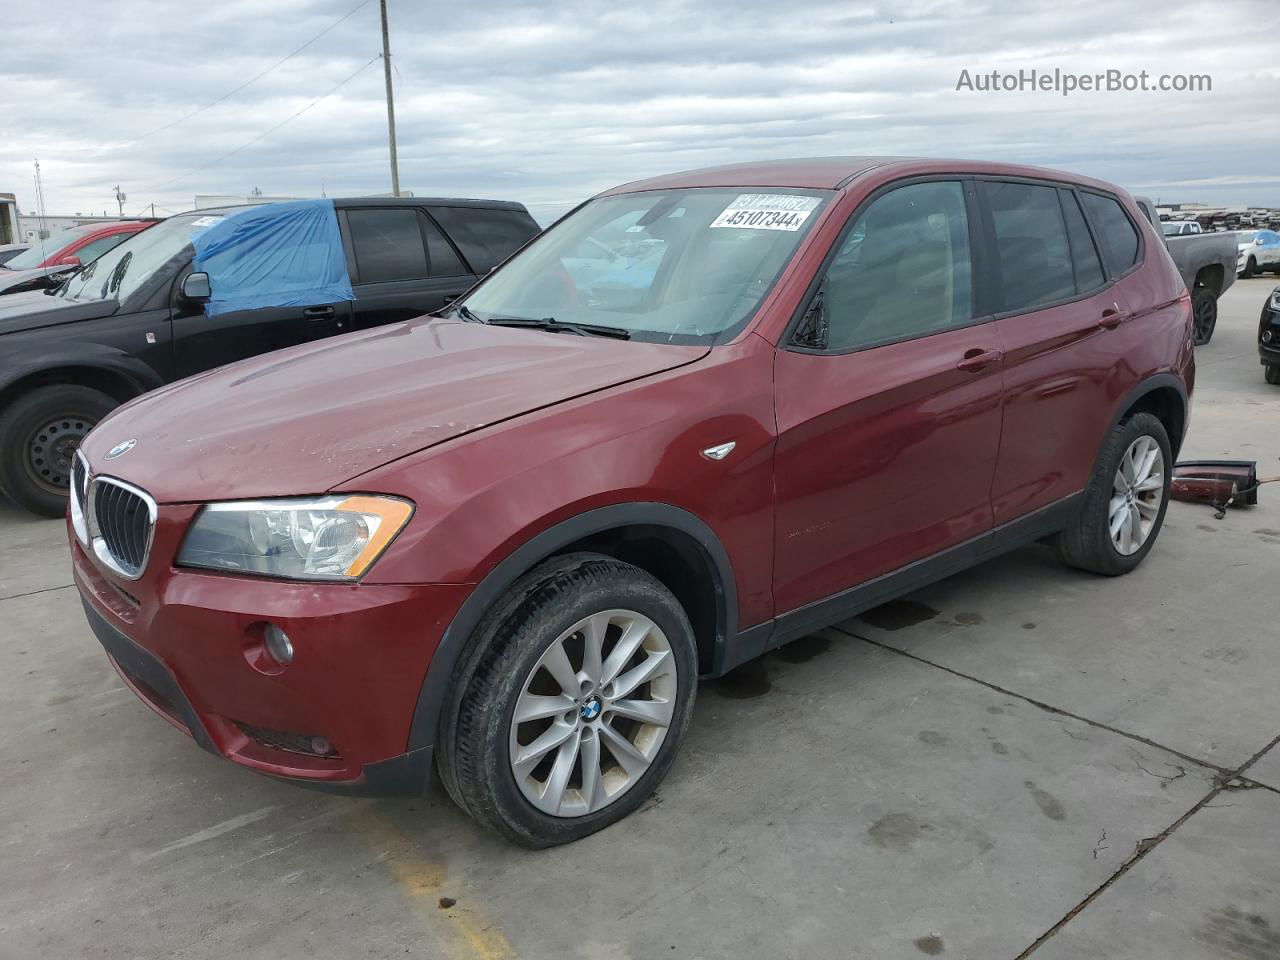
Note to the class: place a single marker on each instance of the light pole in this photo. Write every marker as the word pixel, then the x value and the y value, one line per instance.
pixel 391 108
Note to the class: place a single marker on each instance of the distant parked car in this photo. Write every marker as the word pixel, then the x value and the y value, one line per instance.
pixel 10 250
pixel 1269 337
pixel 1206 262
pixel 136 318
pixel 45 262
pixel 510 540
pixel 1180 228
pixel 1259 251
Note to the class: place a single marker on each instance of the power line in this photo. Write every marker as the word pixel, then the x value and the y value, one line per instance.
pixel 265 133
pixel 247 83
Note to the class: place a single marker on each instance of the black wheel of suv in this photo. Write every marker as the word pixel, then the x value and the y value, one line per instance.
pixel 1125 502
pixel 39 434
pixel 573 703
pixel 1250 269
pixel 1272 372
pixel 1204 311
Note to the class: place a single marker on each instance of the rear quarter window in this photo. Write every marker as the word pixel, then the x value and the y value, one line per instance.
pixel 1115 231
pixel 486 237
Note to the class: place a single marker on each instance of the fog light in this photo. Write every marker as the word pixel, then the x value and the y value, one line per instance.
pixel 1266 336
pixel 278 644
pixel 320 746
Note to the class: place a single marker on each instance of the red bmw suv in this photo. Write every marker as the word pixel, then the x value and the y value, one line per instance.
pixel 701 416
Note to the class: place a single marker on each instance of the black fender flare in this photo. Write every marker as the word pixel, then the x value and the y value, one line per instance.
pixel 96 356
pixel 1149 385
pixel 456 637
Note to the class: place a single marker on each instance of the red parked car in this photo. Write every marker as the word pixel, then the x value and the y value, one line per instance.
pixel 699 417
pixel 44 262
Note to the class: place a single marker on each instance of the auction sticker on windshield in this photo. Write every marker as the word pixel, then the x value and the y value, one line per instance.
pixel 766 211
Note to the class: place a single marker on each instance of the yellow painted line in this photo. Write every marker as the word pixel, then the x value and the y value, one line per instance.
pixel 467 931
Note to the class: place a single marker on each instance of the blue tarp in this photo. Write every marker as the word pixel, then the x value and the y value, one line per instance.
pixel 275 255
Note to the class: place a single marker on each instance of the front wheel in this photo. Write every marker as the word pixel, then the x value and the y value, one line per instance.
pixel 1125 502
pixel 580 691
pixel 1204 310
pixel 1250 269
pixel 1272 372
pixel 39 435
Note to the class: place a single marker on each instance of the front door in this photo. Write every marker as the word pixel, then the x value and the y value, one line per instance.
pixel 888 433
pixel 202 342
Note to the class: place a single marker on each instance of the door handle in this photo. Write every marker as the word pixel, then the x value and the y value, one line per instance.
pixel 1112 317
pixel 318 313
pixel 975 360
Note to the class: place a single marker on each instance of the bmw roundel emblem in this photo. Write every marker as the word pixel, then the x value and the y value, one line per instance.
pixel 120 449
pixel 591 709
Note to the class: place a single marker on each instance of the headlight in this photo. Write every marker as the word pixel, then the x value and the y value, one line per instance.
pixel 324 538
pixel 1275 299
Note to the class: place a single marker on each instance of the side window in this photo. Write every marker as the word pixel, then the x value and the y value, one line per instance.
pixel 903 270
pixel 485 236
pixel 1084 255
pixel 1031 245
pixel 96 248
pixel 1115 232
pixel 388 244
pixel 443 259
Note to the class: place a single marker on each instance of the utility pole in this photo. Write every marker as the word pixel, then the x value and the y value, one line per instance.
pixel 120 198
pixel 391 107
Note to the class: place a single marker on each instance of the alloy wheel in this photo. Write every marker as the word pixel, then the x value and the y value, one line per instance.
pixel 593 713
pixel 1136 495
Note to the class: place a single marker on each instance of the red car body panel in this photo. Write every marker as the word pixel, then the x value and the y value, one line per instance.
pixel 847 467
pixel 85 236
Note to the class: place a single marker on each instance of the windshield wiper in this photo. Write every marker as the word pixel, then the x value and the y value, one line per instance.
pixel 556 326
pixel 467 314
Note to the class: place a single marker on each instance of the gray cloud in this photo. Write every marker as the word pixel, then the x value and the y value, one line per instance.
pixel 548 103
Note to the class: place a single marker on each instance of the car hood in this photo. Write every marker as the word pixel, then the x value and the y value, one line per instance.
pixel 12 278
pixel 306 419
pixel 29 311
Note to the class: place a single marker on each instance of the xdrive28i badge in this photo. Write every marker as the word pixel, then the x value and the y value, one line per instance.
pixel 120 449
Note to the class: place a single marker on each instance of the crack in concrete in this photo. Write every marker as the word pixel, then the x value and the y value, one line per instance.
pixel 1227 781
pixel 1145 846
pixel 1047 707
pixel 32 593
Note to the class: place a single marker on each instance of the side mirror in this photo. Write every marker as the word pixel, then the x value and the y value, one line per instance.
pixel 196 288
pixel 70 260
pixel 1259 241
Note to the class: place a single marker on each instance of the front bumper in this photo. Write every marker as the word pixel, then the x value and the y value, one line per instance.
pixel 184 642
pixel 1269 334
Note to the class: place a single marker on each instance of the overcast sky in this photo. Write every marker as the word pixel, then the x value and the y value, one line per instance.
pixel 550 102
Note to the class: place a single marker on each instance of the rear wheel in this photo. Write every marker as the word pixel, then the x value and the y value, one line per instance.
pixel 1204 310
pixel 1272 372
pixel 1125 502
pixel 578 695
pixel 39 435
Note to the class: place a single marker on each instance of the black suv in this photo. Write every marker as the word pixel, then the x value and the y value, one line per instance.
pixel 69 356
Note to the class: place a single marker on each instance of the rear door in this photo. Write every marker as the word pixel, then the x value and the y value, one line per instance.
pixel 1059 315
pixel 401 264
pixel 887 435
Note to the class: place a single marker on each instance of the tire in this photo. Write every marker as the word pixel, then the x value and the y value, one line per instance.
pixel 39 433
pixel 1250 269
pixel 480 743
pixel 1204 310
pixel 1272 372
pixel 1089 543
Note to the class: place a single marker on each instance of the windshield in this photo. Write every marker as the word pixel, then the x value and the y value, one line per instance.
pixel 118 273
pixel 1245 236
pixel 1172 229
pixel 685 266
pixel 42 250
